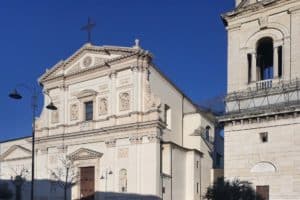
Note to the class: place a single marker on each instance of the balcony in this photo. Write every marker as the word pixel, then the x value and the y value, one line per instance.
pixel 264 84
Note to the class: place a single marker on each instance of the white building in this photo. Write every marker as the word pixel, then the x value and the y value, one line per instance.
pixel 262 122
pixel 129 131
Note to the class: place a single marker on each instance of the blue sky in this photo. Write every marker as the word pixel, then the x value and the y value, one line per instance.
pixel 187 38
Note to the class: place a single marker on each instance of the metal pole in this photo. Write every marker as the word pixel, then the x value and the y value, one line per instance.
pixel 106 176
pixel 34 106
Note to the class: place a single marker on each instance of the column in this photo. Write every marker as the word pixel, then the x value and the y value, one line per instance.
pixel 113 93
pixel 275 62
pixel 135 87
pixel 253 68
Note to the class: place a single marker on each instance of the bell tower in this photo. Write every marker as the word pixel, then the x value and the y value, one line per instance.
pixel 262 119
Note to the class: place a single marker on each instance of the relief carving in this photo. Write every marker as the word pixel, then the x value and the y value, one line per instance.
pixel 74 112
pixel 103 106
pixel 151 101
pixel 123 153
pixel 87 61
pixel 124 101
pixel 54 116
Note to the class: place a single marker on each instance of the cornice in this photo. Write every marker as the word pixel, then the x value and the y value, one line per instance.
pixel 252 9
pixel 100 120
pixel 259 117
pixel 103 131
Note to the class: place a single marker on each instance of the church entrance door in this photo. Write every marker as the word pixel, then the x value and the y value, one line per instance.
pixel 87 183
pixel 263 192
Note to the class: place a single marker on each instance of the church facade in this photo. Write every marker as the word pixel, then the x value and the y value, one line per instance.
pixel 262 117
pixel 122 130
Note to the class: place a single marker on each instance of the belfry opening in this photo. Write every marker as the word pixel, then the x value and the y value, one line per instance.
pixel 265 60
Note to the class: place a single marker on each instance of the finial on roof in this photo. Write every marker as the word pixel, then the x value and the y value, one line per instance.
pixel 136 44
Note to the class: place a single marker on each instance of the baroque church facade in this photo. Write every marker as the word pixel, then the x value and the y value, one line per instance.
pixel 261 124
pixel 127 130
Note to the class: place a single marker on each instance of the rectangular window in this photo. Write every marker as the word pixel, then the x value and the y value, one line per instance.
pixel 88 110
pixel 249 57
pixel 168 116
pixel 280 61
pixel 263 137
pixel 197 164
pixel 198 188
pixel 262 192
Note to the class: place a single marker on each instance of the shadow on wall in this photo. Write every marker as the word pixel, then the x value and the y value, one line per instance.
pixel 48 190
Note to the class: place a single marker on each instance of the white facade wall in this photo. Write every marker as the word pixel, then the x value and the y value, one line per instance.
pixel 127 130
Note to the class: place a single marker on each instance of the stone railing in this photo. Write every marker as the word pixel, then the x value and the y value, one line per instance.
pixel 264 84
pixel 260 88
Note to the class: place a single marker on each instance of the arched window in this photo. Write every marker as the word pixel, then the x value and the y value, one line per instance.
pixel 265 60
pixel 123 180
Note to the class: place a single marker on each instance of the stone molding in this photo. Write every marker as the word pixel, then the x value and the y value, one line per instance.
pixel 136 139
pixel 244 9
pixel 154 138
pixel 101 120
pixel 13 148
pixel 84 154
pixel 233 121
pixel 102 131
pixel 124 52
pixel 111 143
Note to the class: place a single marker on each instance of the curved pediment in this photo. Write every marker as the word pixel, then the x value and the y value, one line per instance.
pixel 84 154
pixel 263 167
pixel 86 93
pixel 16 152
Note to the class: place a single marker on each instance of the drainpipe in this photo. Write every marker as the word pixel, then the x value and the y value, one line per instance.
pixel 200 175
pixel 161 170
pixel 171 172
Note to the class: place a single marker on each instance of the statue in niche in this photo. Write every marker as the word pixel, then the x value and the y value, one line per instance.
pixel 74 112
pixel 54 116
pixel 124 101
pixel 123 180
pixel 103 106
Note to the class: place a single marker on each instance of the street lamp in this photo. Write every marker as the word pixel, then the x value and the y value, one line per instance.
pixel 105 176
pixel 16 95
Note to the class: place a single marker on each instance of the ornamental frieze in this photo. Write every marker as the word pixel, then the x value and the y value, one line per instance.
pixel 111 142
pixel 136 139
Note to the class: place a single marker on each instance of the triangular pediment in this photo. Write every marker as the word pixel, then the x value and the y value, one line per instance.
pixel 16 152
pixel 87 57
pixel 84 154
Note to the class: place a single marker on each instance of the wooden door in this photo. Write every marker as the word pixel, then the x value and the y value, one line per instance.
pixel 87 183
pixel 263 192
